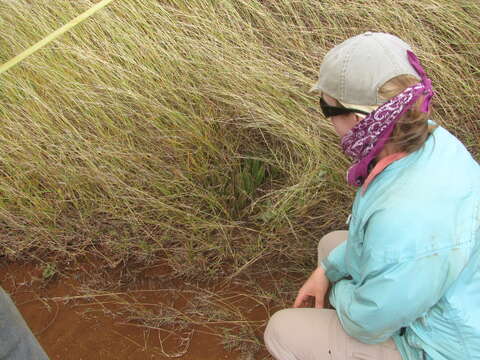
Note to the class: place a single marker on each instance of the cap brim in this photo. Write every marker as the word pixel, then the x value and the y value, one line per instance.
pixel 366 108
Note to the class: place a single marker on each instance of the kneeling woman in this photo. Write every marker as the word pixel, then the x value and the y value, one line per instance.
pixel 405 278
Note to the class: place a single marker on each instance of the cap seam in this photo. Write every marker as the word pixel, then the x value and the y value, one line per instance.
pixel 342 77
pixel 394 62
pixel 344 70
pixel 392 57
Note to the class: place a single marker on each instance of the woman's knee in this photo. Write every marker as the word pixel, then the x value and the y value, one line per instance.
pixel 277 333
pixel 301 333
pixel 275 327
pixel 330 241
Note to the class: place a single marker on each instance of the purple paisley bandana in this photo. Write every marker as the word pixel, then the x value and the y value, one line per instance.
pixel 367 139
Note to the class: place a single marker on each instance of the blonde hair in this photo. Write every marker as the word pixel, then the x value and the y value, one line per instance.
pixel 412 129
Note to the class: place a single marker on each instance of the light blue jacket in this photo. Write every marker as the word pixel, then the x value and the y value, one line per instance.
pixel 412 258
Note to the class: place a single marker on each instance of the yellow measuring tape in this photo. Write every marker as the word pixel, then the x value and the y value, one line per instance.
pixel 53 35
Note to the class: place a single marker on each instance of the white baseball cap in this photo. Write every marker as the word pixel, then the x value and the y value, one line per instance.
pixel 353 71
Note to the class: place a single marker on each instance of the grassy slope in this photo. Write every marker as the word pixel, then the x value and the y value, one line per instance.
pixel 186 127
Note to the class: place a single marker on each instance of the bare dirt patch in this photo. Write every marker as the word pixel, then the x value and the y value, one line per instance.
pixel 148 317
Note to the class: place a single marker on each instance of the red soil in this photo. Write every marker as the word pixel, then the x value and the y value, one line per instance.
pixel 82 329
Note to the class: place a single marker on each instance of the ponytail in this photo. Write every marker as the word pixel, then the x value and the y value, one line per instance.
pixel 412 129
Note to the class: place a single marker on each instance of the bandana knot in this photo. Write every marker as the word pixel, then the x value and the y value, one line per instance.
pixel 427 83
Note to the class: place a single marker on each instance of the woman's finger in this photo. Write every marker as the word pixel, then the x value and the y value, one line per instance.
pixel 319 301
pixel 300 299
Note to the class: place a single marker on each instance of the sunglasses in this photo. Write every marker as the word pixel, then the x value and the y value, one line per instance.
pixel 330 111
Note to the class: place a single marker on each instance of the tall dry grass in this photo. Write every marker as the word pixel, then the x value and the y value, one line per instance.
pixel 184 128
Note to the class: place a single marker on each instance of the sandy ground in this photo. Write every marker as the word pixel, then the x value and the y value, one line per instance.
pixel 70 326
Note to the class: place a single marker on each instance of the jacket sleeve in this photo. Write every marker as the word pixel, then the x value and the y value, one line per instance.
pixel 334 263
pixel 392 291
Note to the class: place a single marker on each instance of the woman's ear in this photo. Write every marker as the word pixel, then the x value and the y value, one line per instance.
pixel 358 118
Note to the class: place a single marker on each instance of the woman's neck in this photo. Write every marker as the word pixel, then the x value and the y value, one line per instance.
pixel 387 150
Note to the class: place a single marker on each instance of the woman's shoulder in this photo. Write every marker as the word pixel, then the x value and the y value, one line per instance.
pixel 423 201
pixel 443 164
pixel 443 167
pixel 444 143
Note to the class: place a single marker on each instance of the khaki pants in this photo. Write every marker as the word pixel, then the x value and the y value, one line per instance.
pixel 316 334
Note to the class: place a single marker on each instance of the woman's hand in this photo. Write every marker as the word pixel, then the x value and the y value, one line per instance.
pixel 316 286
